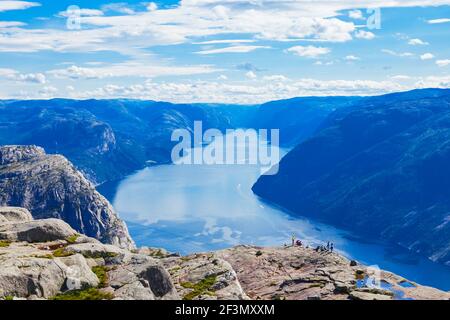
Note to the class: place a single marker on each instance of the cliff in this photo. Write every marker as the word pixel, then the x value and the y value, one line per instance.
pixel 47 259
pixel 50 187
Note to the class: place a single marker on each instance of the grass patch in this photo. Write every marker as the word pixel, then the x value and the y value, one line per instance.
pixel 61 253
pixel 72 239
pixel 102 274
pixel 200 288
pixel 87 294
pixel 4 243
pixel 159 254
pixel 45 256
pixel 97 255
pixel 9 298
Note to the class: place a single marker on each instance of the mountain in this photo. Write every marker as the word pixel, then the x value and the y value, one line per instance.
pixel 47 259
pixel 50 187
pixel 379 169
pixel 109 139
pixel 299 118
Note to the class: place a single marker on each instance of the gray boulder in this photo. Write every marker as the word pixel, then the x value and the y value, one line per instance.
pixel 78 273
pixel 36 231
pixel 31 276
pixel 14 215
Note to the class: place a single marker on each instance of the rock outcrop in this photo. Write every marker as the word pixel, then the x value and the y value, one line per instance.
pixel 298 273
pixel 65 265
pixel 49 186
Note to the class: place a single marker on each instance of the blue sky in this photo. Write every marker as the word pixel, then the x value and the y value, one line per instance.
pixel 229 51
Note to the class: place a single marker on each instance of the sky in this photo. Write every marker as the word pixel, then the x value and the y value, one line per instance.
pixel 229 51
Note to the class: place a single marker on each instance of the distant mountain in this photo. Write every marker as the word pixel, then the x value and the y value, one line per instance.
pixel 50 187
pixel 379 168
pixel 299 118
pixel 109 139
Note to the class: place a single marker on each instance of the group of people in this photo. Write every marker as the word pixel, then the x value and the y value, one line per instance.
pixel 322 248
pixel 328 248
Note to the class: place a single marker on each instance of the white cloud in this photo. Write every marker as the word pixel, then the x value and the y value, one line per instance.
pixel 248 93
pixel 210 91
pixel 352 58
pixel 11 24
pixel 356 14
pixel 438 21
pixel 251 75
pixel 275 77
pixel 401 77
pixel 222 77
pixel 397 54
pixel 226 41
pixel 120 7
pixel 443 63
pixel 82 12
pixel 308 51
pixel 17 5
pixel 367 35
pixel 14 75
pixel 129 69
pixel 129 28
pixel 232 49
pixel 417 42
pixel 152 6
pixel 322 63
pixel 427 56
pixel 48 92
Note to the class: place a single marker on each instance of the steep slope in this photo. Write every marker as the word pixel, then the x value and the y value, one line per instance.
pixel 50 187
pixel 379 170
pixel 299 118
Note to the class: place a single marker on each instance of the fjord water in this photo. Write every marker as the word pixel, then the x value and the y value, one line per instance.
pixel 197 208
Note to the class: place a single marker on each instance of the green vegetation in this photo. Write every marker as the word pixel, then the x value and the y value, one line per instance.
pixel 45 256
pixel 9 298
pixel 97 255
pixel 4 243
pixel 86 294
pixel 61 252
pixel 174 270
pixel 73 239
pixel 159 254
pixel 259 253
pixel 102 274
pixel 200 288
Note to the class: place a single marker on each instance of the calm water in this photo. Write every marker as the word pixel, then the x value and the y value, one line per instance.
pixel 194 208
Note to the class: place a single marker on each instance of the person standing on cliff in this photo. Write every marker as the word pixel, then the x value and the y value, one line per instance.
pixel 293 240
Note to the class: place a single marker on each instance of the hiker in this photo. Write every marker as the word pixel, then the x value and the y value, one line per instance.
pixel 331 247
pixel 298 243
pixel 328 245
pixel 293 240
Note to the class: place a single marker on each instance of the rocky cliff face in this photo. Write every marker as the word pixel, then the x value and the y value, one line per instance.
pixel 50 187
pixel 379 170
pixel 47 259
